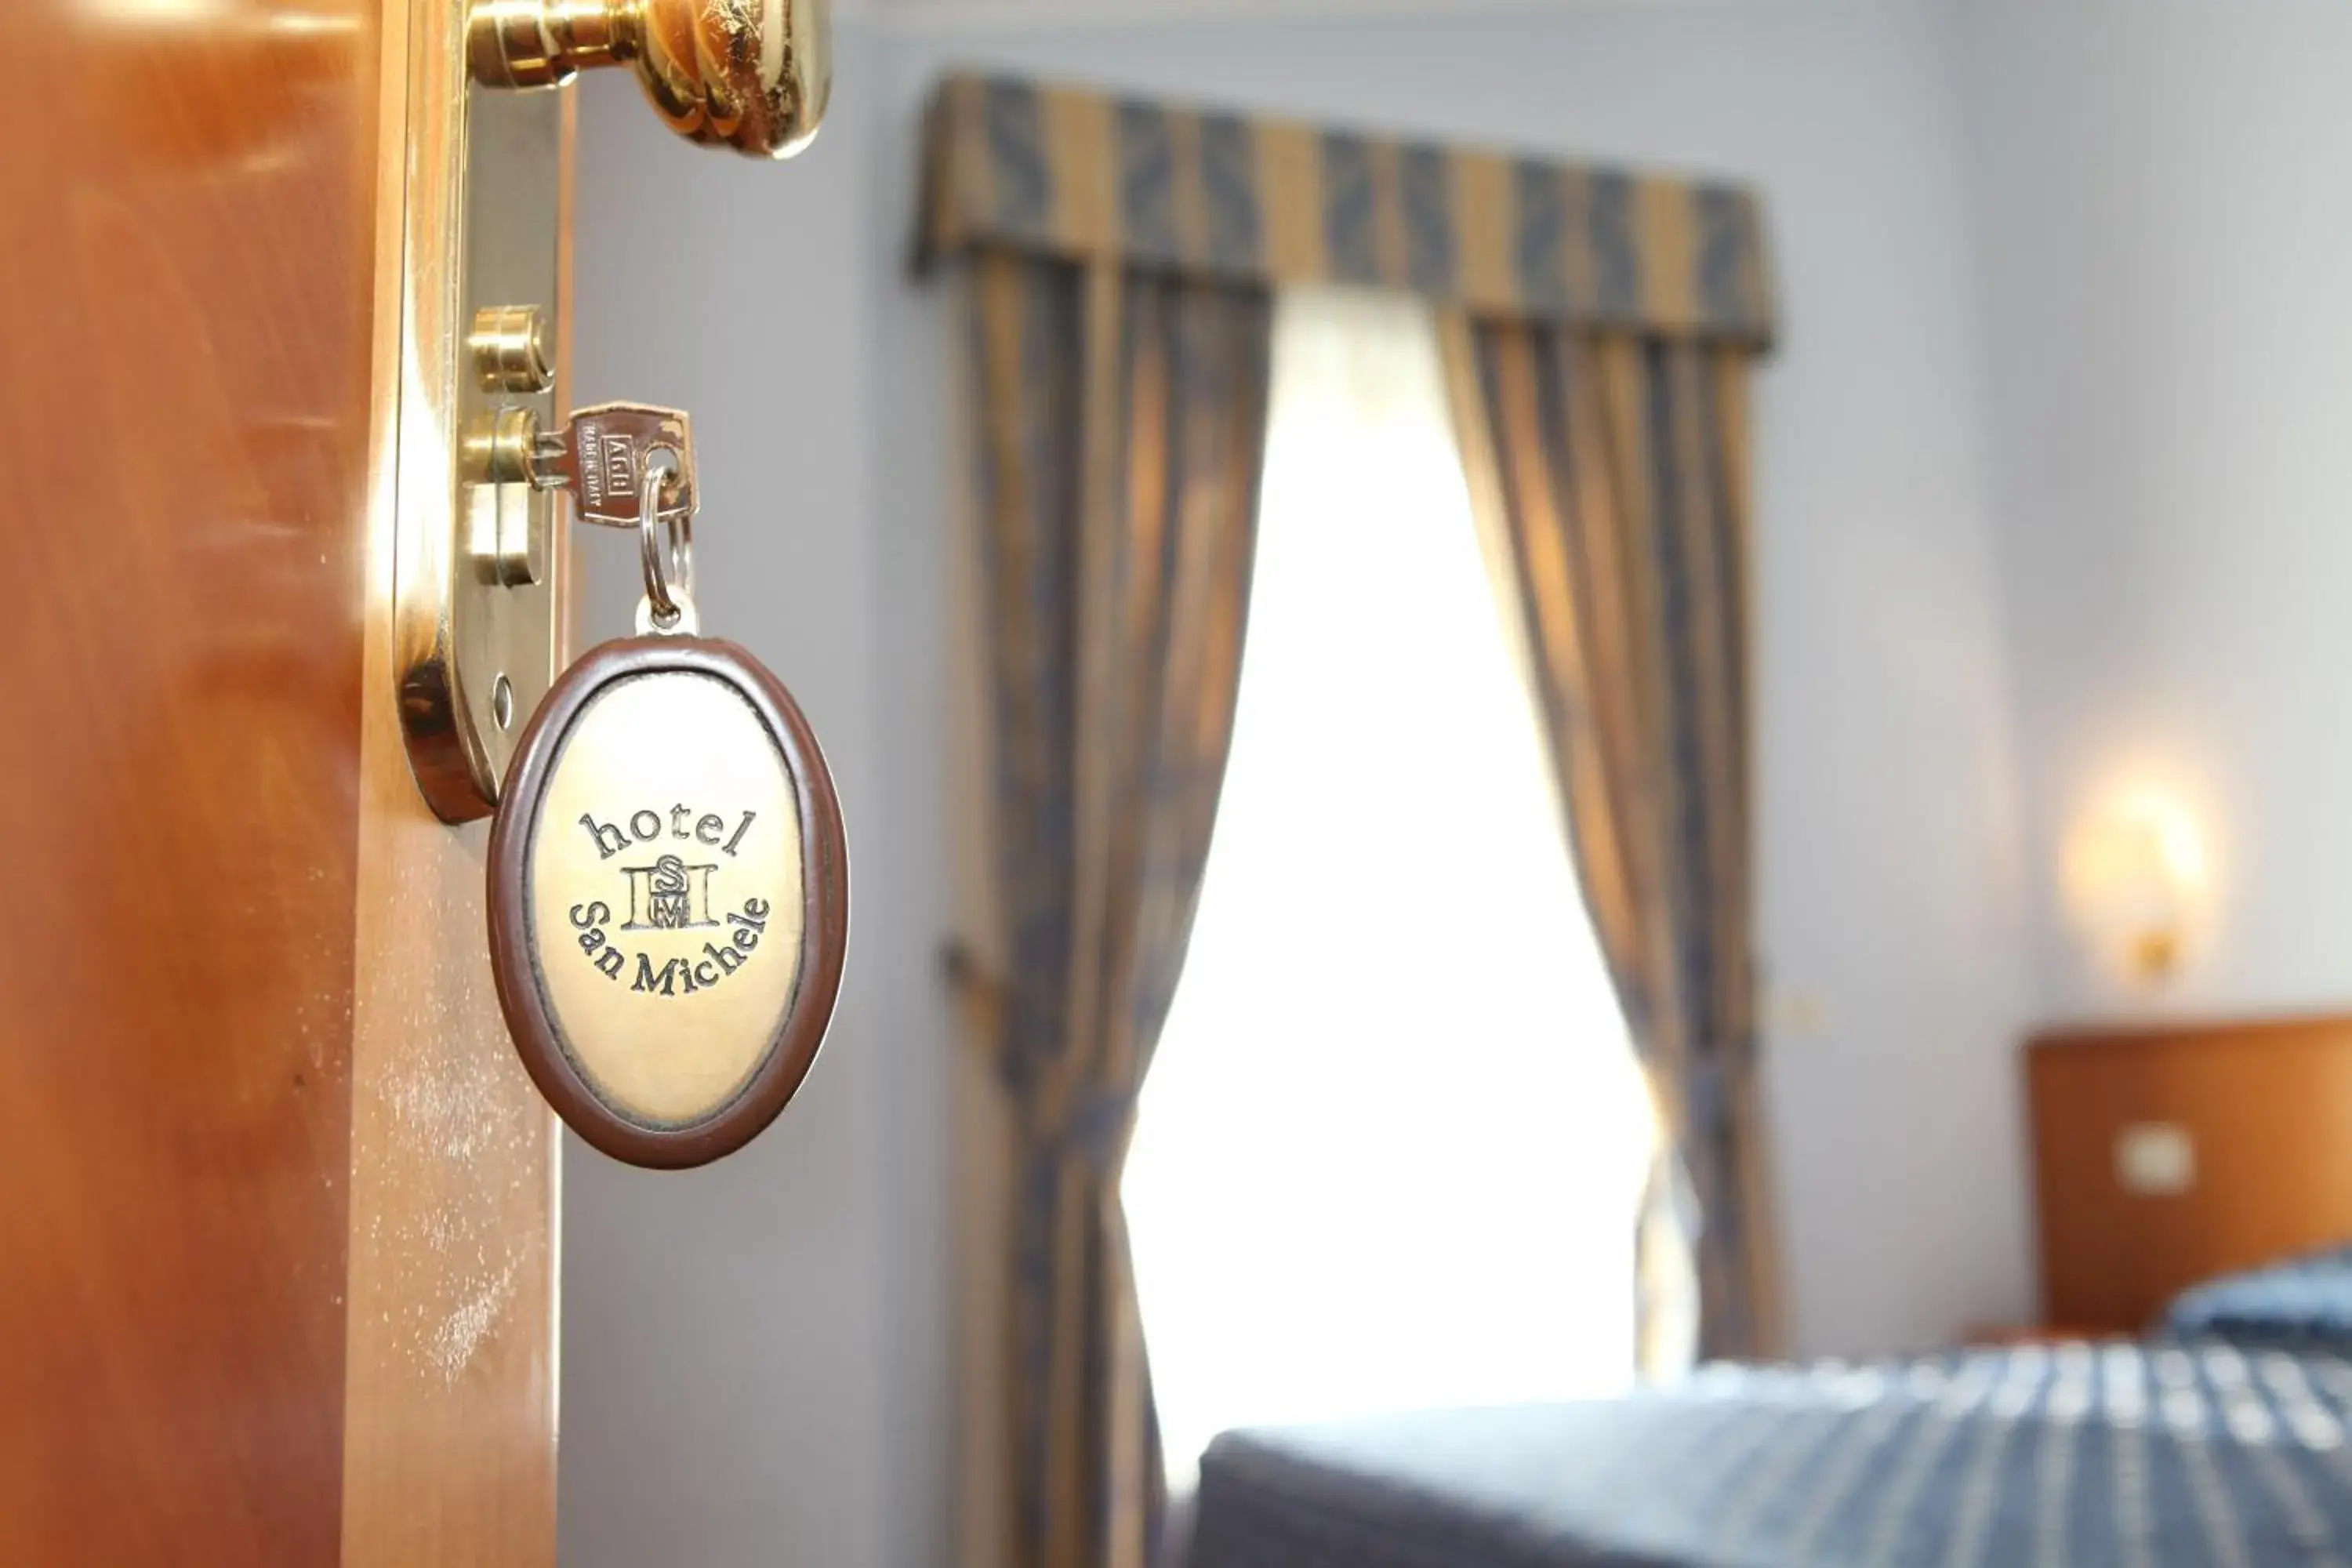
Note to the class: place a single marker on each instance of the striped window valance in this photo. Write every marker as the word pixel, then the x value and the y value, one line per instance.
pixel 1053 169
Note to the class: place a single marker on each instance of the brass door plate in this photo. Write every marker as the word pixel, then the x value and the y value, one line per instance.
pixel 481 579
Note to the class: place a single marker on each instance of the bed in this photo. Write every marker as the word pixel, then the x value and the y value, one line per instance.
pixel 2220 1436
pixel 2163 1454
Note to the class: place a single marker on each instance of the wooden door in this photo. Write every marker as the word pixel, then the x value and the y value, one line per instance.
pixel 277 1279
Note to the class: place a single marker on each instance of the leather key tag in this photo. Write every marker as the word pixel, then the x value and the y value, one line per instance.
pixel 669 899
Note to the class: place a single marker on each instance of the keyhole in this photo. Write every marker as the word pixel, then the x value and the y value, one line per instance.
pixel 502 702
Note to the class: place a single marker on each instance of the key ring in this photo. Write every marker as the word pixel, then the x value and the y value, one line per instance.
pixel 665 549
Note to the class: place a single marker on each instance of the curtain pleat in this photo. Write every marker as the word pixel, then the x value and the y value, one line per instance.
pixel 1122 420
pixel 1614 468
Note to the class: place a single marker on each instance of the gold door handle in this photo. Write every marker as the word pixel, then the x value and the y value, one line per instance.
pixel 754 75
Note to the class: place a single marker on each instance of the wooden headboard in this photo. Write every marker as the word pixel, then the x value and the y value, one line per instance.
pixel 2262 1112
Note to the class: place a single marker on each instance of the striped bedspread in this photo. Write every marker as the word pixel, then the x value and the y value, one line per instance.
pixel 2162 1455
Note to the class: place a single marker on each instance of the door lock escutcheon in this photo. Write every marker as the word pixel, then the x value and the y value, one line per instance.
pixel 480 578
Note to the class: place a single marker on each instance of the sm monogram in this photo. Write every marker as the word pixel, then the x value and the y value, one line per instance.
pixel 670 894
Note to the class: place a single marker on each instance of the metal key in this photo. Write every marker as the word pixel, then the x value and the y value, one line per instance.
pixel 602 454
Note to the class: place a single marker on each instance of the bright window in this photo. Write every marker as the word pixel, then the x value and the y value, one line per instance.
pixel 1390 1153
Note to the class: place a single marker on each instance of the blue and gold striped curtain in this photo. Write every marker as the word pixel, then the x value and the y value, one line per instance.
pixel 1613 466
pixel 1122 423
pixel 1122 255
pixel 1055 171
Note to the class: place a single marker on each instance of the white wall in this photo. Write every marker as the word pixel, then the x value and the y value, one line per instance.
pixel 754 1355
pixel 2169 235
pixel 756 1358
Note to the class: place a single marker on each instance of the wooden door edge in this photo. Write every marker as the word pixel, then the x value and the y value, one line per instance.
pixel 451 1289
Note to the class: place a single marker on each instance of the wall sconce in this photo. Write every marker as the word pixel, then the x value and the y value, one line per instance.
pixel 2134 874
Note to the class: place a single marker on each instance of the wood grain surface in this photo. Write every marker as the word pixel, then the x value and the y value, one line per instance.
pixel 449 1454
pixel 277 1279
pixel 187 215
pixel 2265 1105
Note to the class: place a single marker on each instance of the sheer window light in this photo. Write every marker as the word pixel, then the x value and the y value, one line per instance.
pixel 1391 1150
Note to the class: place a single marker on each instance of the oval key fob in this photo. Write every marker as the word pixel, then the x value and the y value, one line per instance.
pixel 669 899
